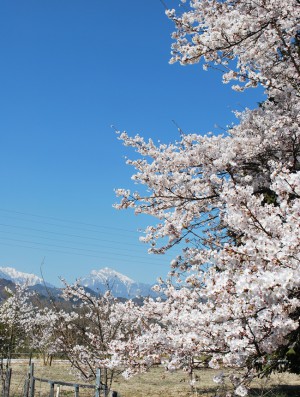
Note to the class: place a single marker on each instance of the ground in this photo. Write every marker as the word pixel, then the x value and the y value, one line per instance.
pixel 156 383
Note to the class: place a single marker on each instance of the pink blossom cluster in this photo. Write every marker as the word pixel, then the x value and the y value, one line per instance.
pixel 232 201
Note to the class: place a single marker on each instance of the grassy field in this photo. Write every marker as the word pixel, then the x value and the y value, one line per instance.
pixel 156 383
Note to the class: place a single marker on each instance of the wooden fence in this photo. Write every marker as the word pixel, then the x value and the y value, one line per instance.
pixel 100 390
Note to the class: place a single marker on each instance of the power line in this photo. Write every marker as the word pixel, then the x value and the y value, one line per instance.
pixel 67 221
pixel 69 227
pixel 69 248
pixel 50 232
pixel 74 254
pixel 80 250
pixel 72 242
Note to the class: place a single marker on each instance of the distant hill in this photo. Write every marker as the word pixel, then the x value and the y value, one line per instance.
pixel 3 285
pixel 42 293
pixel 46 291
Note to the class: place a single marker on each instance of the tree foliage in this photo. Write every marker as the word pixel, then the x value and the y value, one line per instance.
pixel 232 200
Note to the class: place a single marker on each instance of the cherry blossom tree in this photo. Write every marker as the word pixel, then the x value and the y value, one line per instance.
pixel 16 313
pixel 232 201
pixel 84 335
pixel 43 336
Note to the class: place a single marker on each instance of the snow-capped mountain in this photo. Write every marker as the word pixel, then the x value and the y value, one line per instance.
pixel 98 281
pixel 9 273
pixel 120 285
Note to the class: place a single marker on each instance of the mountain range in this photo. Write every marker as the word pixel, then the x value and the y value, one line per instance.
pixel 11 274
pixel 119 284
pixel 98 281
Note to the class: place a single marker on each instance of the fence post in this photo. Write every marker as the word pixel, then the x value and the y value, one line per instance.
pixel 7 382
pixel 31 380
pixel 27 383
pixel 76 391
pixel 98 383
pixel 51 389
pixel 32 387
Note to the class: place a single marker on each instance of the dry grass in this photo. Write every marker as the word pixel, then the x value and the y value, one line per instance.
pixel 156 383
pixel 278 385
pixel 60 370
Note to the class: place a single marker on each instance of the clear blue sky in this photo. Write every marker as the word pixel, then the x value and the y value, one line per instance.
pixel 69 70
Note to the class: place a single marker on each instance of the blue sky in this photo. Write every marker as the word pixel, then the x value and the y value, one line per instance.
pixel 69 70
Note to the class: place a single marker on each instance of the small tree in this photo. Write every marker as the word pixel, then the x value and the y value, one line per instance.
pixel 43 334
pixel 16 313
pixel 85 335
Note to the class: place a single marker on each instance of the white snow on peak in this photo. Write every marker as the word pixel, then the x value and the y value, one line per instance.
pixel 120 285
pixel 106 273
pixel 99 280
pixel 9 273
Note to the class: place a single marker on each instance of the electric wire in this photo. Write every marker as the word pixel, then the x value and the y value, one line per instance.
pixel 70 248
pixel 72 242
pixel 75 254
pixel 119 232
pixel 51 232
pixel 68 221
pixel 63 245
